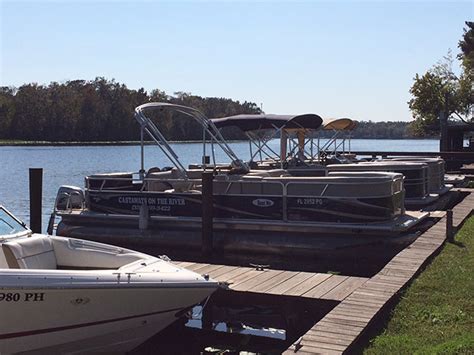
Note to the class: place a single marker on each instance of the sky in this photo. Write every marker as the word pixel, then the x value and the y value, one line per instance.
pixel 332 58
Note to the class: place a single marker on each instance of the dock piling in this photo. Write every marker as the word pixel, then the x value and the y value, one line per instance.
pixel 143 217
pixel 449 226
pixel 36 197
pixel 207 212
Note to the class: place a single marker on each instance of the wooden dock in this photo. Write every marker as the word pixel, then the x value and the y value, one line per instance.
pixel 360 299
pixel 340 329
pixel 280 282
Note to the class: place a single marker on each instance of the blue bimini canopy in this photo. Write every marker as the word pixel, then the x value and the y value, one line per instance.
pixel 252 122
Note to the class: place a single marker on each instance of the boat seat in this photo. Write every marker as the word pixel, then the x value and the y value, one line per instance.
pixel 195 173
pixel 111 181
pixel 269 173
pixel 171 180
pixel 248 187
pixel 72 253
pixel 35 252
pixel 3 261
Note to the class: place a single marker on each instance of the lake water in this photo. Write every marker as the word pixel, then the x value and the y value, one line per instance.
pixel 69 165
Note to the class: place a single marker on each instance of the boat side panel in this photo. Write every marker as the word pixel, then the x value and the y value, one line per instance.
pixel 267 207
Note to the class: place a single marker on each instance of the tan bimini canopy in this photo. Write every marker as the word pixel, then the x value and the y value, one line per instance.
pixel 339 124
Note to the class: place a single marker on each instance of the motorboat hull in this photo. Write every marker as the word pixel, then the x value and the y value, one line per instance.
pixel 82 320
pixel 65 295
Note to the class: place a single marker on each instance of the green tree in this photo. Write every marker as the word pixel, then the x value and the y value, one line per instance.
pixel 441 90
pixel 7 110
pixel 466 45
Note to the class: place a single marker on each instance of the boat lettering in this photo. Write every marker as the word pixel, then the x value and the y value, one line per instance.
pixel 152 208
pixel 310 201
pixel 262 202
pixel 25 297
pixel 152 201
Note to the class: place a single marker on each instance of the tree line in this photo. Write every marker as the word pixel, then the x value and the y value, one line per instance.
pixel 98 110
pixel 101 110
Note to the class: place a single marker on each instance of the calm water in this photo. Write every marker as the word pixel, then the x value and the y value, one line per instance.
pixel 69 165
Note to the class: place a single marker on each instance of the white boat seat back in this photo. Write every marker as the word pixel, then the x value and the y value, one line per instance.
pixel 75 253
pixel 3 261
pixel 35 252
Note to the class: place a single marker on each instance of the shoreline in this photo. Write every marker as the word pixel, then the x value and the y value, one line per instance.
pixel 14 143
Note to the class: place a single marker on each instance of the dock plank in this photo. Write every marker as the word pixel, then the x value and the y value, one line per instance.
pixel 313 350
pixel 216 274
pixel 328 325
pixel 195 266
pixel 292 282
pixel 242 277
pixel 184 264
pixel 345 288
pixel 326 286
pixel 310 283
pixel 321 345
pixel 273 282
pixel 259 278
pixel 208 269
pixel 321 338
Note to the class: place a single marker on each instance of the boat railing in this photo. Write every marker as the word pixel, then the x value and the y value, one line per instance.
pixel 210 131
pixel 235 186
pixel 133 184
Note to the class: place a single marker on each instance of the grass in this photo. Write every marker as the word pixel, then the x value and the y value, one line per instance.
pixel 435 315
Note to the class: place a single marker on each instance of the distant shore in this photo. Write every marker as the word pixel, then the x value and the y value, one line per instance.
pixel 72 144
pixel 4 143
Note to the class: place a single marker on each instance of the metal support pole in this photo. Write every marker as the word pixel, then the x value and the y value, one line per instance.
pixel 283 145
pixel 36 197
pixel 443 125
pixel 207 212
pixel 449 226
pixel 142 153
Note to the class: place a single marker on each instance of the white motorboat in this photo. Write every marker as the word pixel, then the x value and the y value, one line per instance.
pixel 64 295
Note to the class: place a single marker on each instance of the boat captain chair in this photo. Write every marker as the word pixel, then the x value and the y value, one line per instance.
pixel 35 252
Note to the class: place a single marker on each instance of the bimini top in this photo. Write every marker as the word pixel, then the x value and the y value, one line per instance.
pixel 252 122
pixel 339 124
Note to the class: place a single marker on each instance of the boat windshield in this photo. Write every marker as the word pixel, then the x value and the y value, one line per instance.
pixel 9 225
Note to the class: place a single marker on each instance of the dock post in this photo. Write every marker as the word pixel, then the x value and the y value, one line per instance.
pixel 143 217
pixel 207 212
pixel 449 226
pixel 36 197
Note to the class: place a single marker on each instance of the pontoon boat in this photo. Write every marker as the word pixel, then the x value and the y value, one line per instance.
pixel 265 210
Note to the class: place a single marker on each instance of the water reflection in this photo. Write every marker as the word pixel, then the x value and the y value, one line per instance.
pixel 236 323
